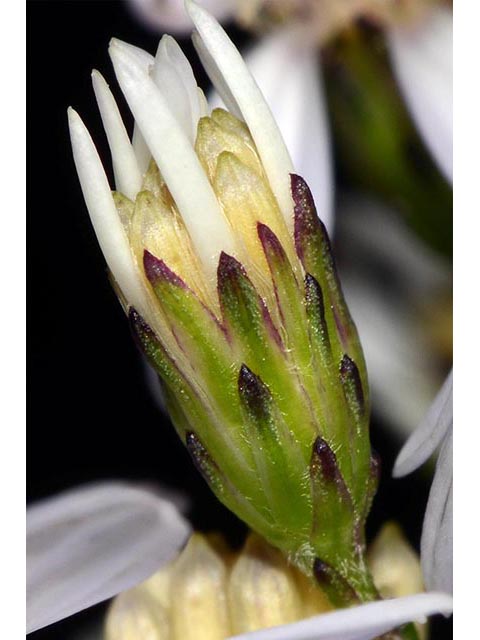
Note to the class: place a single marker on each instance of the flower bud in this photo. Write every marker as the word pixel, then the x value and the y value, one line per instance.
pixel 229 281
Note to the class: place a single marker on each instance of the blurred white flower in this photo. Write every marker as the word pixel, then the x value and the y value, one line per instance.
pixel 170 15
pixel 435 432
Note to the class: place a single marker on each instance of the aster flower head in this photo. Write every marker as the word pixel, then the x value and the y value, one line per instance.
pixel 227 276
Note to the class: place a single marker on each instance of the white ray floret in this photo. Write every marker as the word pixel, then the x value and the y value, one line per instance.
pixel 128 178
pixel 216 77
pixel 143 57
pixel 436 543
pixel 88 544
pixel 173 75
pixel 140 147
pixel 364 622
pixel 176 159
pixel 142 152
pixel 429 434
pixel 103 213
pixel 173 90
pixel 229 65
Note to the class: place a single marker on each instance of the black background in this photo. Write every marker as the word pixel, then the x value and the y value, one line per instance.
pixel 91 415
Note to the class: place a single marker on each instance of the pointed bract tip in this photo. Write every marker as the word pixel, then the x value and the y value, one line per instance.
pixel 300 190
pixel 270 243
pixel 351 381
pixel 202 460
pixel 347 367
pixel 249 384
pixel 137 321
pixel 322 454
pixel 142 332
pixel 157 271
pixel 228 266
pixel 254 395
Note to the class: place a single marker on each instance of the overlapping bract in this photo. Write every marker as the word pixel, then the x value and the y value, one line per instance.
pixel 273 406
pixel 227 275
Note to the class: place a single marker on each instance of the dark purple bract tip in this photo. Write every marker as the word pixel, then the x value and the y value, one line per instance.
pixel 157 271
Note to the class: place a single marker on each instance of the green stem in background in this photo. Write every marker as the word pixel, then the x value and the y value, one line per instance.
pixel 409 632
pixel 376 144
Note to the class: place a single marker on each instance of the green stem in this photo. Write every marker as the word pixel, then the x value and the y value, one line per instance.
pixel 407 632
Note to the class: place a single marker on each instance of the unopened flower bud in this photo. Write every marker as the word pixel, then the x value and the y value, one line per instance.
pixel 229 281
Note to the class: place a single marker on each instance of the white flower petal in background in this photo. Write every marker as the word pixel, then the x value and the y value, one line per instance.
pixel 170 15
pixel 437 533
pixel 388 275
pixel 287 69
pixel 422 58
pixel 88 544
pixel 364 622
pixel 429 434
pixel 436 545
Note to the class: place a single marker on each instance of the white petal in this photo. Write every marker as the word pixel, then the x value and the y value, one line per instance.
pixel 142 152
pixel 215 76
pixel 143 57
pixel 288 72
pixel 364 622
pixel 429 434
pixel 422 60
pixel 128 179
pixel 442 578
pixel 140 147
pixel 88 544
pixel 170 15
pixel 106 222
pixel 175 158
pixel 174 77
pixel 228 63
pixel 436 545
